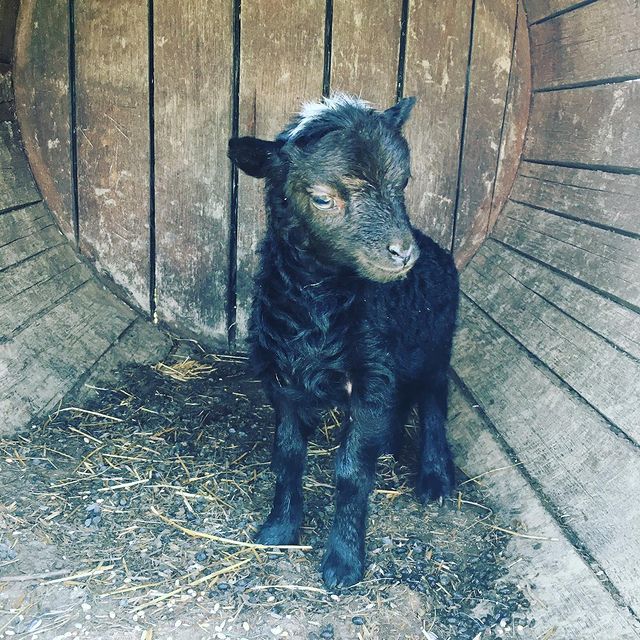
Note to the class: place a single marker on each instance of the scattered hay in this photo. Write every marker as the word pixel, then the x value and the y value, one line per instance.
pixel 151 493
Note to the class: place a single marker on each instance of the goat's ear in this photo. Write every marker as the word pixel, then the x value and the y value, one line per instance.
pixel 254 156
pixel 399 113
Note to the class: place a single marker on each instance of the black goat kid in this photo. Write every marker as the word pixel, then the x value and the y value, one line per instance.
pixel 353 308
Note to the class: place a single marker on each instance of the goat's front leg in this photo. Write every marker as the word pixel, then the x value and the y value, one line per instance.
pixel 366 432
pixel 293 427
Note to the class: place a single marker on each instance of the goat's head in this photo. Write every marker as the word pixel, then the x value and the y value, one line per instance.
pixel 342 167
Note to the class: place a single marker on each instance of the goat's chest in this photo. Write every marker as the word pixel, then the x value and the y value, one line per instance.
pixel 304 340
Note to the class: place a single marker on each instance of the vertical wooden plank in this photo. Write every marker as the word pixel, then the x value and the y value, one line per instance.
pixel 192 126
pixel 435 71
pixel 113 140
pixel 282 57
pixel 365 48
pixel 8 14
pixel 516 118
pixel 491 55
pixel 42 100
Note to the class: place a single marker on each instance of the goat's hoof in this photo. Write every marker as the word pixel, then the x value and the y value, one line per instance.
pixel 341 570
pixel 435 486
pixel 277 533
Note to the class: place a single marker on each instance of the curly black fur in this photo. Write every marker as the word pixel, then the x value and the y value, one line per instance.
pixel 331 327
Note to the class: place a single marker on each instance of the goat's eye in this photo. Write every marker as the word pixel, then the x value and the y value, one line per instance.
pixel 405 183
pixel 322 202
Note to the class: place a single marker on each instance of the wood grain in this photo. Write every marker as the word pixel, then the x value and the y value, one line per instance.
pixel 590 126
pixel 282 62
pixel 365 48
pixel 85 324
pixel 576 606
pixel 516 118
pixel 566 447
pixel 113 140
pixel 16 182
pixel 607 378
pixel 42 101
pixel 491 59
pixel 436 66
pixel 192 126
pixel 617 324
pixel 18 244
pixel 594 196
pixel 603 259
pixel 600 41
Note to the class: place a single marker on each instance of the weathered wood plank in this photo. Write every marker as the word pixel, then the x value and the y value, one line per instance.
pixel 25 232
pixel 23 248
pixel 42 101
pixel 113 140
pixel 8 15
pixel 365 48
pixel 36 371
pixel 29 273
pixel 570 602
pixel 589 126
pixel 16 183
pixel 585 469
pixel 192 126
pixel 600 258
pixel 619 325
pixel 516 118
pixel 600 41
pixel 605 377
pixel 436 67
pixel 491 58
pixel 37 300
pixel 608 199
pixel 540 9
pixel 23 222
pixel 282 55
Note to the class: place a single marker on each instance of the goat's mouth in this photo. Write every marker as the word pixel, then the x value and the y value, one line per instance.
pixel 375 271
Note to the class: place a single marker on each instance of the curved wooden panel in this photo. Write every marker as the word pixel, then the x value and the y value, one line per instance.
pixel 113 140
pixel 42 101
pixel 489 72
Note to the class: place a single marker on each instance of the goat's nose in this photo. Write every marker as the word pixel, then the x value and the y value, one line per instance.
pixel 401 252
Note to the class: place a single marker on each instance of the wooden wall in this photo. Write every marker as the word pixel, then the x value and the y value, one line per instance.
pixel 548 348
pixel 126 109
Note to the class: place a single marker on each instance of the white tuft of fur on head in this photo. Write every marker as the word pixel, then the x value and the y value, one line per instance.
pixel 311 110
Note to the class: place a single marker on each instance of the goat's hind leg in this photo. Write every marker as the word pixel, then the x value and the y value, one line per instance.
pixel 436 473
pixel 293 427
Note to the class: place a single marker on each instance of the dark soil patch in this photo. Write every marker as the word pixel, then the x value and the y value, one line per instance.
pixel 103 509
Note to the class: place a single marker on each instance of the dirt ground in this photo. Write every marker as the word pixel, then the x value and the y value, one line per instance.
pixel 129 514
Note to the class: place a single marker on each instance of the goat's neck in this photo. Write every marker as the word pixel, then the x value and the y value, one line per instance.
pixel 292 254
